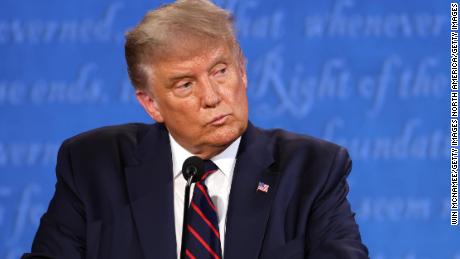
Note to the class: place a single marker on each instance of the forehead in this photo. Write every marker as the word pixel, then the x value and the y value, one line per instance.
pixel 181 43
pixel 190 55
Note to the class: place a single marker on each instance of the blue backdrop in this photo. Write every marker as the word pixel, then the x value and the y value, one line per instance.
pixel 370 75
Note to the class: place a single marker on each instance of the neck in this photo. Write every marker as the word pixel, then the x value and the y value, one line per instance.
pixel 208 152
pixel 204 151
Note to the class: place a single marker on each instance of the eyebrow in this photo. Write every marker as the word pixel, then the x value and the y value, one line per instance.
pixel 178 77
pixel 219 60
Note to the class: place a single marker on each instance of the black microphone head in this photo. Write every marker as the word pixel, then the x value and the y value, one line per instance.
pixel 193 167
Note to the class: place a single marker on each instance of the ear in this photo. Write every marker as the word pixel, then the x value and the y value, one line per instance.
pixel 150 105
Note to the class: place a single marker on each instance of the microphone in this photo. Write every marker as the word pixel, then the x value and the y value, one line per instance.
pixel 192 170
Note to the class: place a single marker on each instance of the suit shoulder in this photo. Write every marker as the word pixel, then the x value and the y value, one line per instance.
pixel 288 141
pixel 322 162
pixel 130 133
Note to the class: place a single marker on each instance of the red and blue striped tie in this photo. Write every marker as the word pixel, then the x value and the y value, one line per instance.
pixel 203 238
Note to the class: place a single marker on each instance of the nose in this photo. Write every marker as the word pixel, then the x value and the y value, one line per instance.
pixel 210 94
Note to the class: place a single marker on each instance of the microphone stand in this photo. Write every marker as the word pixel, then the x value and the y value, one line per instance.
pixel 192 170
pixel 186 205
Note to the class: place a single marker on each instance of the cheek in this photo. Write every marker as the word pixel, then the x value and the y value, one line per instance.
pixel 236 89
pixel 240 95
pixel 180 106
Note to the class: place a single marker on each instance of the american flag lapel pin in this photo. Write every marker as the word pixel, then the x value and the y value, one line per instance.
pixel 262 187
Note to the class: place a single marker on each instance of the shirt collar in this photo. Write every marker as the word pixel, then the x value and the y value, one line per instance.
pixel 225 160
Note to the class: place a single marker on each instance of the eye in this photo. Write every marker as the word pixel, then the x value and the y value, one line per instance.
pixel 221 71
pixel 185 85
pixel 183 89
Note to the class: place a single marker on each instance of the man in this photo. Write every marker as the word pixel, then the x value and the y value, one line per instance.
pixel 119 191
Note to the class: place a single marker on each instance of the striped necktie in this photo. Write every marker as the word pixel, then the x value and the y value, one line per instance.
pixel 203 238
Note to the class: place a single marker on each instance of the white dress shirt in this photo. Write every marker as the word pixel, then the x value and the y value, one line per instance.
pixel 218 184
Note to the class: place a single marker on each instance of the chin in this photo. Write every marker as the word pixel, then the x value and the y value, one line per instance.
pixel 225 136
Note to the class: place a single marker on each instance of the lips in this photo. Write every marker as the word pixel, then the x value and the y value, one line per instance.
pixel 218 120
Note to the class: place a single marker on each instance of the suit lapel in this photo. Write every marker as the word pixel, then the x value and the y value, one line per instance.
pixel 249 209
pixel 150 189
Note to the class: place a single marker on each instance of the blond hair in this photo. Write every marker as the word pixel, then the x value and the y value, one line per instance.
pixel 198 19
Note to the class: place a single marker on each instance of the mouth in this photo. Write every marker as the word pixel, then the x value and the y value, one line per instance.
pixel 219 120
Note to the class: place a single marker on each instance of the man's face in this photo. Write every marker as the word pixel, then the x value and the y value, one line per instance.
pixel 199 92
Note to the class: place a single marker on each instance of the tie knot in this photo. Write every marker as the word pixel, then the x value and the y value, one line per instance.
pixel 209 168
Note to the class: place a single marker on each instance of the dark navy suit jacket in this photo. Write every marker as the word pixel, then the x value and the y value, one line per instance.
pixel 114 198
